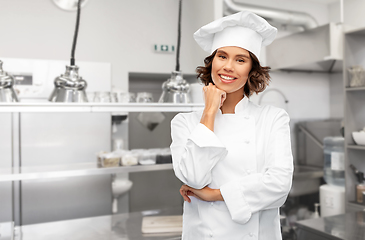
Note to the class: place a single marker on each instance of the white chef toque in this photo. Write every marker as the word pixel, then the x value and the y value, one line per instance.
pixel 243 29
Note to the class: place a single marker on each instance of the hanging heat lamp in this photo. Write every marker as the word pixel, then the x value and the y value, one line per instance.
pixel 7 93
pixel 176 88
pixel 70 87
pixel 69 5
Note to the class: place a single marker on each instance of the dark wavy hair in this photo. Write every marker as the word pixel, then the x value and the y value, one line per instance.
pixel 258 78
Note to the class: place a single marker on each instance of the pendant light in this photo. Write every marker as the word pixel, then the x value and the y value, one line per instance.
pixel 70 87
pixel 176 88
pixel 69 5
pixel 7 93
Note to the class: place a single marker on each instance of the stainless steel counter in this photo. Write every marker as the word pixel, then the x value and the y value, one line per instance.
pixel 120 226
pixel 349 226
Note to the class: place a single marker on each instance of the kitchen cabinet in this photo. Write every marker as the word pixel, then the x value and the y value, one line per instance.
pixel 354 103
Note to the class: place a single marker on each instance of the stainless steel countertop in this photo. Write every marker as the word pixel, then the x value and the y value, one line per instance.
pixel 126 226
pixel 349 226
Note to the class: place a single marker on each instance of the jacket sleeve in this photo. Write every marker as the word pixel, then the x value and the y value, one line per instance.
pixel 195 152
pixel 267 190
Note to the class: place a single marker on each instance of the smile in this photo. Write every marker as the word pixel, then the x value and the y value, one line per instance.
pixel 226 79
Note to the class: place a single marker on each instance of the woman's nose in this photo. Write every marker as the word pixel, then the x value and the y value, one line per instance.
pixel 228 66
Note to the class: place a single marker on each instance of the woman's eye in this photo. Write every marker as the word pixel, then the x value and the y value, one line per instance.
pixel 222 56
pixel 240 60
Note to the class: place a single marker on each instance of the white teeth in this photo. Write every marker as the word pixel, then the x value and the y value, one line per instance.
pixel 226 77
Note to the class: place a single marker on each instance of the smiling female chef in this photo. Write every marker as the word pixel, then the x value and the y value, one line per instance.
pixel 234 156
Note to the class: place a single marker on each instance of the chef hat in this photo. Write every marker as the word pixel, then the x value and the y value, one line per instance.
pixel 243 29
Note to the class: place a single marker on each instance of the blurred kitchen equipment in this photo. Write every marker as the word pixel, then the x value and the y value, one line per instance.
pixel 164 157
pixel 118 144
pixel 176 88
pixel 102 97
pixel 359 137
pixel 124 97
pixel 90 96
pixel 334 160
pixel 129 159
pixel 70 87
pixel 316 213
pixel 132 97
pixel 309 154
pixel 69 5
pixel 120 186
pixel 315 54
pixel 360 187
pixel 150 120
pixel 144 97
pixel 7 93
pixel 113 97
pixel 332 200
pixel 357 76
pixel 274 101
pixel 162 224
pixel 306 180
pixel 109 159
pixel 147 157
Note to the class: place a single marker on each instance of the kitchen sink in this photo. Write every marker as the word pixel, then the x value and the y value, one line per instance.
pixel 306 180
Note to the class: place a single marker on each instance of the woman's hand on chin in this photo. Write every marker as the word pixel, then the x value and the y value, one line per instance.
pixel 205 194
pixel 213 98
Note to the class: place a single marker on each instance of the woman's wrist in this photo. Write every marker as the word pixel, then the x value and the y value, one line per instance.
pixel 210 112
pixel 218 194
pixel 208 120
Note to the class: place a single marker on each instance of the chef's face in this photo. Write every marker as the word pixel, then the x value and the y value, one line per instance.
pixel 230 68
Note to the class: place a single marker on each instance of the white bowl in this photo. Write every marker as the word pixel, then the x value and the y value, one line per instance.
pixel 359 137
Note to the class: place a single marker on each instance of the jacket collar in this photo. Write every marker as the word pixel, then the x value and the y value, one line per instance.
pixel 240 107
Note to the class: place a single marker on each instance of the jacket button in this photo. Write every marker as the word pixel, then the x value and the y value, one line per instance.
pixel 211 235
pixel 211 204
pixel 248 172
pixel 247 141
pixel 250 234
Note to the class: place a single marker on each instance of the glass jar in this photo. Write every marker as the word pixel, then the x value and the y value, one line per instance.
pixel 334 161
pixel 144 97
pixel 102 97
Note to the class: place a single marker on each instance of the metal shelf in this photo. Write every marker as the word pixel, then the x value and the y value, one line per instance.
pixel 99 107
pixel 72 170
pixel 356 205
pixel 355 88
pixel 358 147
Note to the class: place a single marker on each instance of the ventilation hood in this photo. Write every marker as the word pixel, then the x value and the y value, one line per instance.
pixel 314 50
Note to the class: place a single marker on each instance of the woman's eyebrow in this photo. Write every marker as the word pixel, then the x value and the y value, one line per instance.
pixel 242 55
pixel 238 55
pixel 221 51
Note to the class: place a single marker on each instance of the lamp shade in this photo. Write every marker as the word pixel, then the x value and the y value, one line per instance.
pixel 7 93
pixel 69 87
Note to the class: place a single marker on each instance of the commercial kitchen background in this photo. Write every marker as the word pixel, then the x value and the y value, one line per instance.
pixel 123 33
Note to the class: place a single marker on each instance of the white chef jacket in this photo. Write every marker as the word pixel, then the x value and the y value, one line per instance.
pixel 248 157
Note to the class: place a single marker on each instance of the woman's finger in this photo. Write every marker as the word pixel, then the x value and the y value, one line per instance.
pixel 223 98
pixel 184 194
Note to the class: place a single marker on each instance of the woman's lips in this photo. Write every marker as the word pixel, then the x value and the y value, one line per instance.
pixel 226 78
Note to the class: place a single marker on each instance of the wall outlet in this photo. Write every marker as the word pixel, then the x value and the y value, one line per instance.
pixel 164 48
